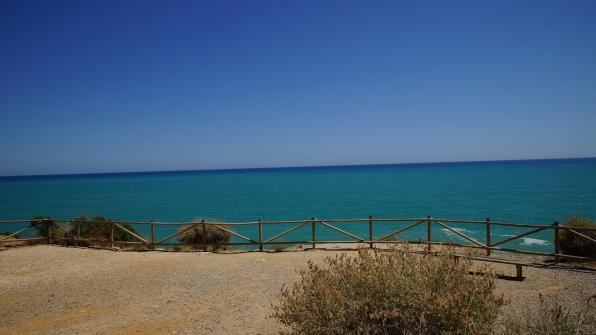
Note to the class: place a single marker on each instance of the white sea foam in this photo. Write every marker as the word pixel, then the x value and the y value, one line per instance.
pixel 459 230
pixel 533 241
pixel 527 241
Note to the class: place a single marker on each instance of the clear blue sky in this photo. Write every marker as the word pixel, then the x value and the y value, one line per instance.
pixel 98 86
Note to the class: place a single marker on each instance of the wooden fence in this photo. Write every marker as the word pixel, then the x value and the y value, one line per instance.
pixel 70 230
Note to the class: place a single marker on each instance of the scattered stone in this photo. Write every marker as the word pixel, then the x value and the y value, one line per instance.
pixel 218 294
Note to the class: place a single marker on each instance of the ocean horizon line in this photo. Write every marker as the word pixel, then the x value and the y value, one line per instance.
pixel 281 168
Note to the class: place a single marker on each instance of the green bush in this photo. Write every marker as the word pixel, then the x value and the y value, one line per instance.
pixel 213 238
pixel 573 244
pixel 41 225
pixel 98 228
pixel 390 292
pixel 553 319
pixel 90 229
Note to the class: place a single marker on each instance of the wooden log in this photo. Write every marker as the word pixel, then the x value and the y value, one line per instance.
pixel 245 243
pixel 518 265
pixel 519 225
pixel 14 221
pixel 379 220
pixel 577 228
pixel 462 221
pixel 23 239
pixel 284 222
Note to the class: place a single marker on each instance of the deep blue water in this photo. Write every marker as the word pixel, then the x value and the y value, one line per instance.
pixel 538 191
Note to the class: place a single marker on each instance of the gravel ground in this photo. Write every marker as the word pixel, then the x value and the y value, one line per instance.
pixel 59 290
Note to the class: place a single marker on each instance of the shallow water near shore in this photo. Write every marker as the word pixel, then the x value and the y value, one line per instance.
pixel 537 192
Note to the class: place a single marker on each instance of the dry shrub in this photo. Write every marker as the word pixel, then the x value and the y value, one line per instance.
pixel 573 244
pixel 390 292
pixel 211 239
pixel 553 319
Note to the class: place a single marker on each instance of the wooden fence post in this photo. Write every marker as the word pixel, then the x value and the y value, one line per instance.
pixel 314 232
pixel 111 234
pixel 488 236
pixel 556 224
pixel 370 231
pixel 152 235
pixel 428 236
pixel 49 224
pixel 260 236
pixel 78 224
pixel 204 236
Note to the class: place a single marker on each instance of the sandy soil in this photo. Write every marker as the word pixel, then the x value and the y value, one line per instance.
pixel 59 290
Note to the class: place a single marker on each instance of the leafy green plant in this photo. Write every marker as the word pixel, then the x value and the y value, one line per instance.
pixel 390 292
pixel 573 244
pixel 98 228
pixel 41 225
pixel 209 236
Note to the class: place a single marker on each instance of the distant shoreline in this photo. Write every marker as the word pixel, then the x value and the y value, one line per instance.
pixel 286 168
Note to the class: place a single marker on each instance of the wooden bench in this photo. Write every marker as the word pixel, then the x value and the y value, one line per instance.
pixel 518 264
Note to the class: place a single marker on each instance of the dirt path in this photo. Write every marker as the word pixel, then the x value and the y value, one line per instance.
pixel 59 290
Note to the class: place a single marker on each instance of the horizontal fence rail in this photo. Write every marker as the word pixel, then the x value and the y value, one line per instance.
pixel 54 231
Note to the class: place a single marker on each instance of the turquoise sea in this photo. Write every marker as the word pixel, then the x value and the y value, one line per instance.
pixel 533 191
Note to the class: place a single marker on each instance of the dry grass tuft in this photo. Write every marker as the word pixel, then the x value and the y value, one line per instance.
pixel 553 319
